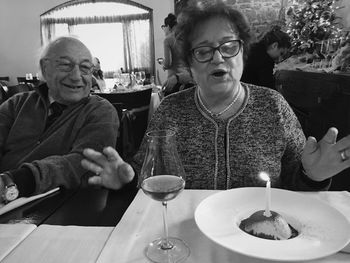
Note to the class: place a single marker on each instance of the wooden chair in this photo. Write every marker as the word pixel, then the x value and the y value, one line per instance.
pixel 132 108
pixel 5 78
pixel 33 82
pixel 3 92
pixel 12 90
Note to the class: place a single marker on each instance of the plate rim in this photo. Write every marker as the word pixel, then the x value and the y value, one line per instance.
pixel 281 191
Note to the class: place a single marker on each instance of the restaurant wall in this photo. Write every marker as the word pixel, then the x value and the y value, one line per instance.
pixel 20 29
pixel 20 33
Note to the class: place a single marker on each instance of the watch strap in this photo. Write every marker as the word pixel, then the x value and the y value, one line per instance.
pixel 6 179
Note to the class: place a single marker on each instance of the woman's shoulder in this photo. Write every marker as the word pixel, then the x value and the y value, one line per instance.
pixel 263 96
pixel 180 99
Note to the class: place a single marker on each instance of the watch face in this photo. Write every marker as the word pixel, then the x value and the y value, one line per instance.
pixel 11 193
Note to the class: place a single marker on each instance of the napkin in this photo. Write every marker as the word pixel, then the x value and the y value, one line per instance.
pixel 22 201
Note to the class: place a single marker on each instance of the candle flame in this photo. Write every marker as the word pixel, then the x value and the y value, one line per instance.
pixel 264 176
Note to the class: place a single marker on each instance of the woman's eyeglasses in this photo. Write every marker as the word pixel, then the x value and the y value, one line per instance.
pixel 163 26
pixel 227 49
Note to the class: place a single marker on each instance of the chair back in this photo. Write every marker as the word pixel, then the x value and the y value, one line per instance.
pixel 3 92
pixel 33 82
pixel 12 90
pixel 5 78
pixel 132 108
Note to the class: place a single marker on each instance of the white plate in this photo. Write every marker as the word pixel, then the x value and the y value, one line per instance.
pixel 323 230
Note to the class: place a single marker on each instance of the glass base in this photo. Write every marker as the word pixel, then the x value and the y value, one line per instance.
pixel 175 250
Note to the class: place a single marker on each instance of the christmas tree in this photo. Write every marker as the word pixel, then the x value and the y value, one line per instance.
pixel 310 22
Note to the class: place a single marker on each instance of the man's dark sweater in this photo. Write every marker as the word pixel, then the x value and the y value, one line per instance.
pixel 52 154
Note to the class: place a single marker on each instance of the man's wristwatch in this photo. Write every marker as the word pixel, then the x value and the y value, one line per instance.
pixel 10 188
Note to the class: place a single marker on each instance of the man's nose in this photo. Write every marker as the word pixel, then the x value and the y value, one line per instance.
pixel 76 73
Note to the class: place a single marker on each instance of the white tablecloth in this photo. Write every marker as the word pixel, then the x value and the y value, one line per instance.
pixel 11 235
pixel 47 244
pixel 142 223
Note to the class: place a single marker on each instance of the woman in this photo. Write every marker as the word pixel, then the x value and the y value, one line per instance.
pixel 178 72
pixel 98 82
pixel 228 131
pixel 263 55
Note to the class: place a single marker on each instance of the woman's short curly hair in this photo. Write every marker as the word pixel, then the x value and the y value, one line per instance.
pixel 197 12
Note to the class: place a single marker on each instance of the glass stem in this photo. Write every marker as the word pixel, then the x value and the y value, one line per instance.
pixel 165 243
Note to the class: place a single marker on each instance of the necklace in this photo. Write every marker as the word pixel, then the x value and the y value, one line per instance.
pixel 216 115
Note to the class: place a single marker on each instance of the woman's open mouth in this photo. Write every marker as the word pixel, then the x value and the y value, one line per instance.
pixel 218 73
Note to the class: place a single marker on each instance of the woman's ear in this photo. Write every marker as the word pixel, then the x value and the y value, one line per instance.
pixel 274 45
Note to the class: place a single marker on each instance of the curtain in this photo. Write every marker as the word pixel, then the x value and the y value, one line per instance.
pixel 136 35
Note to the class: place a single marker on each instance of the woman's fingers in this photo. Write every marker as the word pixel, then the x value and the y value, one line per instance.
pixel 331 136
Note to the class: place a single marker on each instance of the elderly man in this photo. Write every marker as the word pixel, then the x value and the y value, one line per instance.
pixel 43 132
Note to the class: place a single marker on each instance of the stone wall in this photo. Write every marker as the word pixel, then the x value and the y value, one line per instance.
pixel 260 13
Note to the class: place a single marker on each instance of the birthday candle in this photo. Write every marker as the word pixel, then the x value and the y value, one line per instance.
pixel 268 198
pixel 266 178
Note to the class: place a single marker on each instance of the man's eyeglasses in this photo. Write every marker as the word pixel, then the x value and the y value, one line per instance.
pixel 85 68
pixel 227 49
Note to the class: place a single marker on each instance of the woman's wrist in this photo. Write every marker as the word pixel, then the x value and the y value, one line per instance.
pixel 307 179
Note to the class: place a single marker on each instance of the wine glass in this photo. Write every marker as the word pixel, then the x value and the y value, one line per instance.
pixel 333 48
pixel 126 79
pixel 162 178
pixel 142 77
pixel 138 77
pixel 324 52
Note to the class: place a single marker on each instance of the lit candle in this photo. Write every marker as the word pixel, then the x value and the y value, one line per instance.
pixel 266 178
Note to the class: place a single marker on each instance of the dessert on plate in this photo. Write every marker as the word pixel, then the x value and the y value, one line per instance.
pixel 273 227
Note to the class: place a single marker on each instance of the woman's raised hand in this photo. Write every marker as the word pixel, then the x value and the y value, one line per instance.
pixel 321 160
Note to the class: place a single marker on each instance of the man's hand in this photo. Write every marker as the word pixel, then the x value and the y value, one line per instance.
pixel 110 169
pixel 324 159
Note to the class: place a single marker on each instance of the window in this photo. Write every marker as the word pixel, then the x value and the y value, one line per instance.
pixel 118 32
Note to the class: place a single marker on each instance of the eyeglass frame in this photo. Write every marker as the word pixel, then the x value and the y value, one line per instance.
pixel 72 66
pixel 213 49
pixel 163 26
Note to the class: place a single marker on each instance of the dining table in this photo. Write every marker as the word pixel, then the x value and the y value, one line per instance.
pixel 101 225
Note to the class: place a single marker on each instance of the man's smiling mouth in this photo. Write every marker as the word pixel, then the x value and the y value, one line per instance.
pixel 72 87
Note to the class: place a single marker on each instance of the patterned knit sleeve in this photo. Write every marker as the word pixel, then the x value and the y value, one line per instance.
pixel 292 175
pixel 294 141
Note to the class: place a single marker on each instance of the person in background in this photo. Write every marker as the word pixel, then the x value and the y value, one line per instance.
pixel 263 56
pixel 227 131
pixel 178 72
pixel 98 83
pixel 43 132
